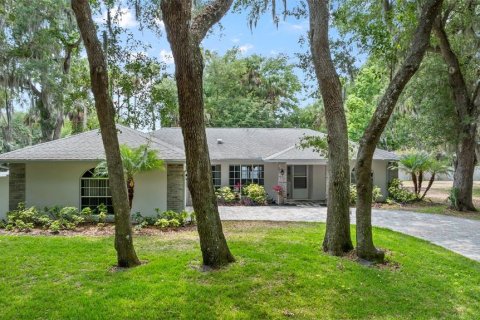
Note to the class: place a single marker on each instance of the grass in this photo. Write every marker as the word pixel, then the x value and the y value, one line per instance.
pixel 436 201
pixel 280 271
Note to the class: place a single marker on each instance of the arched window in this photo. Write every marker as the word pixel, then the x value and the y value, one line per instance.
pixel 95 191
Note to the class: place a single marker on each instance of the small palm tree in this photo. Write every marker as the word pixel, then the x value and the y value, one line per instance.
pixel 436 167
pixel 415 163
pixel 135 160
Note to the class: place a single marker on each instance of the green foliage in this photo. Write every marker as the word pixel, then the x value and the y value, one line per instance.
pixel 134 160
pixel 165 219
pixel 376 194
pixel 319 144
pixel 252 91
pixel 398 193
pixel 162 223
pixel 53 218
pixel 453 197
pixel 417 163
pixel 362 99
pixel 225 195
pixel 256 193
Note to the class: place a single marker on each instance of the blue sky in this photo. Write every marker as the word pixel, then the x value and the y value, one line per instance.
pixel 265 39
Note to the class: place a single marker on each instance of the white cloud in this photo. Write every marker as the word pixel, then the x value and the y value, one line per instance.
pixel 246 47
pixel 166 56
pixel 293 27
pixel 124 17
pixel 235 40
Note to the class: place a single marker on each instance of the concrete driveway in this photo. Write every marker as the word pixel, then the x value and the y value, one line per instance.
pixel 456 234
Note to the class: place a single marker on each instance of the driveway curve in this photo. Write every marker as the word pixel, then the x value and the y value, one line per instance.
pixel 456 234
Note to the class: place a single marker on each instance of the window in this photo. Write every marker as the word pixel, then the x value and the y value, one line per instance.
pixel 300 177
pixel 217 175
pixel 246 174
pixel 95 191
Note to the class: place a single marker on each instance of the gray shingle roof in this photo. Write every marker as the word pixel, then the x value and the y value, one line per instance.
pixel 89 146
pixel 275 144
pixel 268 144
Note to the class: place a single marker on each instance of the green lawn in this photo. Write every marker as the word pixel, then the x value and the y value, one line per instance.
pixel 280 272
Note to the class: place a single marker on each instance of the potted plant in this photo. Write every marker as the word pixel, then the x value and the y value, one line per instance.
pixel 279 191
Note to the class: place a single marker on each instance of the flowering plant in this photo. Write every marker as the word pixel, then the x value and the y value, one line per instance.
pixel 278 189
pixel 237 187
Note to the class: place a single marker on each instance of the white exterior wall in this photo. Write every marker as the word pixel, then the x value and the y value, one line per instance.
pixel 3 197
pixel 379 168
pixel 318 182
pixel 58 183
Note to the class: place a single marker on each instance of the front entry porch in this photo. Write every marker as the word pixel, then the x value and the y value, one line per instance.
pixel 303 183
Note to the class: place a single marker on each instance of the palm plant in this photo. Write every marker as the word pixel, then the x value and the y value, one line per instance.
pixel 135 160
pixel 436 167
pixel 417 163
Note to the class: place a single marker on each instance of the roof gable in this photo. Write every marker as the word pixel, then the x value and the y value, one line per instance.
pixel 89 146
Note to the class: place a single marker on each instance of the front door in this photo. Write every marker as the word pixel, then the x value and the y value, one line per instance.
pixel 299 181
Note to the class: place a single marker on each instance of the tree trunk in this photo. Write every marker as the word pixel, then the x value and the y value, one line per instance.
pixel 414 180
pixel 337 239
pixel 185 34
pixel 365 247
pixel 420 181
pixel 130 191
pixel 126 255
pixel 467 112
pixel 430 183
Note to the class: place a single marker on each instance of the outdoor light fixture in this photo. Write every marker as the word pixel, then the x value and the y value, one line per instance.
pixel 282 172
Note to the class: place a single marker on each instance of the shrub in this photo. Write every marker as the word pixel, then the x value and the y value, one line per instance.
pixel 174 223
pixel 181 217
pixel 55 227
pixel 162 223
pixel 353 194
pixel 376 194
pixel 87 214
pixel 68 213
pixel 225 195
pixel 256 193
pixel 398 193
pixel 24 219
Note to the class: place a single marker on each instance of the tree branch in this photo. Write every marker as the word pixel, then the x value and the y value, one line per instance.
pixel 210 15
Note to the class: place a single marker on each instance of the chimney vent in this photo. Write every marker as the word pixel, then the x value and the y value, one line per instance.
pixel 219 141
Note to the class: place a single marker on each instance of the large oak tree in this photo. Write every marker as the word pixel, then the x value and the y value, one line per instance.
pixel 337 238
pixel 185 32
pixel 126 255
pixel 371 136
pixel 467 106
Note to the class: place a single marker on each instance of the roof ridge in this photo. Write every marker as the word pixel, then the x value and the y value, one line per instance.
pixel 149 137
pixel 279 153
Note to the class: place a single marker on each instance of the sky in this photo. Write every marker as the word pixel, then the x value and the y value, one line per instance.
pixel 265 39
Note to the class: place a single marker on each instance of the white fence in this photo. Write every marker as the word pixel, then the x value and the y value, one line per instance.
pixel 3 195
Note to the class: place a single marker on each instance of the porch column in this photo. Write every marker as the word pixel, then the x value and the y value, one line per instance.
pixel 16 185
pixel 282 181
pixel 175 187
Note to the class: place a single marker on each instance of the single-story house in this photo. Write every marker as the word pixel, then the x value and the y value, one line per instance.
pixel 60 172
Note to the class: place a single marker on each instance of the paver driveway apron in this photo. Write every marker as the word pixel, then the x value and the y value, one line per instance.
pixel 456 234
